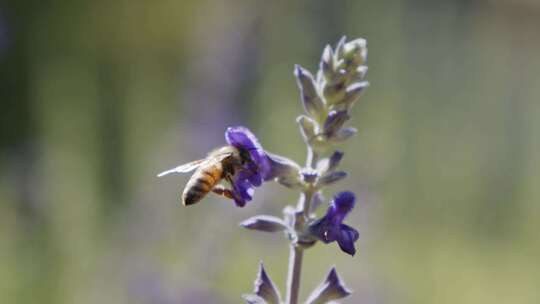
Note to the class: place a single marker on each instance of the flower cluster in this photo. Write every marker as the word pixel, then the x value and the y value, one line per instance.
pixel 329 98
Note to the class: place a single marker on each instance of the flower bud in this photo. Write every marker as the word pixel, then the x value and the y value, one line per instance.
pixel 334 160
pixel 340 76
pixel 330 163
pixel 344 134
pixel 335 121
pixel 327 63
pixel 312 102
pixel 334 92
pixel 332 178
pixel 361 72
pixel 355 51
pixel 353 92
pixel 308 127
pixel 339 47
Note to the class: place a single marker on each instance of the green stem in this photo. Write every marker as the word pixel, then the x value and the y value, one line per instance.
pixel 312 158
pixel 297 252
pixel 295 269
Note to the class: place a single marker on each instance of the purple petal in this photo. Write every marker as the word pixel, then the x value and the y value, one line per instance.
pixel 334 160
pixel 243 138
pixel 254 175
pixel 346 239
pixel 239 202
pixel 343 203
pixel 265 169
pixel 242 189
pixel 325 230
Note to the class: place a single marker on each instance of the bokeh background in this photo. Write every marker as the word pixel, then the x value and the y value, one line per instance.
pixel 99 96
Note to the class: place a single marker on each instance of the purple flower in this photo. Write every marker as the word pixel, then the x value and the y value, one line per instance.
pixel 255 171
pixel 330 228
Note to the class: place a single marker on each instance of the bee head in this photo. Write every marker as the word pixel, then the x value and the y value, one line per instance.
pixel 240 156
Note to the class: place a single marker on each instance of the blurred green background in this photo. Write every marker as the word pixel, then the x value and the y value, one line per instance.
pixel 99 96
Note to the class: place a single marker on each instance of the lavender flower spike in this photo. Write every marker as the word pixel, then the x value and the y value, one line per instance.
pixel 330 228
pixel 328 97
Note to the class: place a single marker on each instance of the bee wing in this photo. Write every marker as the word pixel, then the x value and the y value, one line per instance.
pixel 183 168
pixel 210 161
pixel 220 157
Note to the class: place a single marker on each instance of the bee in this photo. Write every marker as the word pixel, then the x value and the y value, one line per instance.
pixel 220 164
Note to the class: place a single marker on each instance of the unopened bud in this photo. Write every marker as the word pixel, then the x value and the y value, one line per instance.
pixel 311 100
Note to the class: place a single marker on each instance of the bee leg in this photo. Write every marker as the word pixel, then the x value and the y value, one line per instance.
pixel 220 190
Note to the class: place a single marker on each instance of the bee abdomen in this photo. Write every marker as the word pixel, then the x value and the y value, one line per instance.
pixel 193 195
pixel 200 184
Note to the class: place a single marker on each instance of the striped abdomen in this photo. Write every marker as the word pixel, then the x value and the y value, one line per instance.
pixel 202 182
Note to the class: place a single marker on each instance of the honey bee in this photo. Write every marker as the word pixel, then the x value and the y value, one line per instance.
pixel 222 163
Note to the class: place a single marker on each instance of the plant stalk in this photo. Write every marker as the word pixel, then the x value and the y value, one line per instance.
pixel 295 269
pixel 296 251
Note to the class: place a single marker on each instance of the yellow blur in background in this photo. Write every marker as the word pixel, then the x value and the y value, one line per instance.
pixel 99 96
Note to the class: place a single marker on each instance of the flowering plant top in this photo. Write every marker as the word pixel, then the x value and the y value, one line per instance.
pixel 328 98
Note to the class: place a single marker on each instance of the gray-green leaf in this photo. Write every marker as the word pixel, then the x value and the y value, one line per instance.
pixel 265 288
pixel 313 103
pixel 332 288
pixel 265 223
